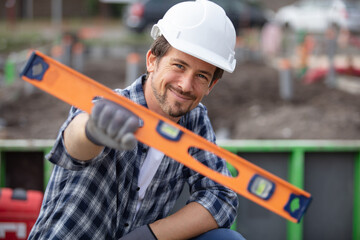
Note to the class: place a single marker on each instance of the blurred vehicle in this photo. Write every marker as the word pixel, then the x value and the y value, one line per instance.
pixel 318 16
pixel 144 13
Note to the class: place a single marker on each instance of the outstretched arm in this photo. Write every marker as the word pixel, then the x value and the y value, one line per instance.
pixel 76 142
pixel 108 125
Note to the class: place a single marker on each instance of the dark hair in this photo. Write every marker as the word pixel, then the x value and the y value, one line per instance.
pixel 160 47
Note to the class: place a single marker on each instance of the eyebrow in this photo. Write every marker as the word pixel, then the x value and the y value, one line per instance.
pixel 187 65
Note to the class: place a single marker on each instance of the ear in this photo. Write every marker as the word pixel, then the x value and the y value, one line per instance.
pixel 212 85
pixel 150 61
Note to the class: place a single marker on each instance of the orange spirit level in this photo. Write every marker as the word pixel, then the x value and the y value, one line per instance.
pixel 172 139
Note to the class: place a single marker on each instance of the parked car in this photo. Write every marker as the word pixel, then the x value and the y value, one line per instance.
pixel 144 13
pixel 318 16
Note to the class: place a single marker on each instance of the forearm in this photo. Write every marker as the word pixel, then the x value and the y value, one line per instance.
pixel 188 222
pixel 76 142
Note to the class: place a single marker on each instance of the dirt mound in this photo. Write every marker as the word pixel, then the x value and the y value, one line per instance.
pixel 249 106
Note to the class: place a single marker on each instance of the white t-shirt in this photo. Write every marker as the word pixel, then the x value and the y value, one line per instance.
pixel 147 172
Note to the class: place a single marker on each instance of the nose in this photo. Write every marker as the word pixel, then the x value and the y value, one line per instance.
pixel 186 83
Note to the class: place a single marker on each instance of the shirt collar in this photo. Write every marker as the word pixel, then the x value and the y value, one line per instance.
pixel 136 91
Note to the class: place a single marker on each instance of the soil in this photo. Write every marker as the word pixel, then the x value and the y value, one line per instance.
pixel 243 105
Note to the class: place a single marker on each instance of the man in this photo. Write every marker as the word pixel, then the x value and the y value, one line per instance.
pixel 106 185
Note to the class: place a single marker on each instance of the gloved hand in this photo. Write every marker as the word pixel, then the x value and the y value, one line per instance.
pixel 112 125
pixel 141 233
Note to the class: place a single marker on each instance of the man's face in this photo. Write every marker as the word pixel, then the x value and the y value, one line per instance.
pixel 177 83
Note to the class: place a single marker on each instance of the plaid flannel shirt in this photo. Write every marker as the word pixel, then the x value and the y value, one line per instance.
pixel 97 199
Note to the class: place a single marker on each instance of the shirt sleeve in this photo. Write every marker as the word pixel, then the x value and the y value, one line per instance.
pixel 60 156
pixel 220 201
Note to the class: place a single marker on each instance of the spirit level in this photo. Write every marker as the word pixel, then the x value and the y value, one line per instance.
pixel 252 182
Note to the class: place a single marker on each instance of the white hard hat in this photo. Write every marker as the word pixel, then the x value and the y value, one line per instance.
pixel 201 29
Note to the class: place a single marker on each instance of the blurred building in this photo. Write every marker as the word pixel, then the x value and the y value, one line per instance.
pixel 82 8
pixel 29 9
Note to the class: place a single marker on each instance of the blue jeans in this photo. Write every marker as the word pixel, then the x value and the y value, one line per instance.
pixel 220 233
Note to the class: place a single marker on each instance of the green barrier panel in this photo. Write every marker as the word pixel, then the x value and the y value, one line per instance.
pixel 25 146
pixel 297 150
pixel 48 167
pixel 2 170
pixel 9 72
pixel 296 177
pixel 356 218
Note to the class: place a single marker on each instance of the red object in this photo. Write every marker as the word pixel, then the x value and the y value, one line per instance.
pixel 19 210
pixel 318 74
pixel 314 75
pixel 348 71
pixel 137 9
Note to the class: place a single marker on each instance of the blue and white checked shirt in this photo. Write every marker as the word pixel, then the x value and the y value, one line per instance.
pixel 97 199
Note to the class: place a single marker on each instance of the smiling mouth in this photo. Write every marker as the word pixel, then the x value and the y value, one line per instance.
pixel 180 94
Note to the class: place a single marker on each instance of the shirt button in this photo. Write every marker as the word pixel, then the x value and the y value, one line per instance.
pixel 144 150
pixel 138 188
pixel 126 224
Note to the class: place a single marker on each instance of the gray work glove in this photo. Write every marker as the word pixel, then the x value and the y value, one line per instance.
pixel 141 233
pixel 112 125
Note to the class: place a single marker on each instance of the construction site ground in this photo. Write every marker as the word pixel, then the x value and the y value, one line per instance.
pixel 243 105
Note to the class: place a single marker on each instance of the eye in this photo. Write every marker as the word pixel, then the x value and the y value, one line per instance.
pixel 203 78
pixel 179 66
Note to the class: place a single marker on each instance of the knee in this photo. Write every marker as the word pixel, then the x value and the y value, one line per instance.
pixel 220 233
pixel 228 234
